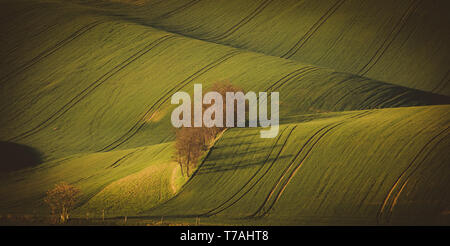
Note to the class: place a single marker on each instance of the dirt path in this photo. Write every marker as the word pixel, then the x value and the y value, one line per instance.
pixel 172 179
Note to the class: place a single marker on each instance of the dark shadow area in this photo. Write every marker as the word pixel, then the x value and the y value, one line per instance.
pixel 233 154
pixel 212 168
pixel 17 156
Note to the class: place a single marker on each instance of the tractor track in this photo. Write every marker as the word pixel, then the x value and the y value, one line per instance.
pixel 351 91
pixel 392 100
pixel 52 49
pixel 290 171
pixel 243 22
pixel 85 92
pixel 293 75
pixel 385 211
pixel 224 205
pixel 312 30
pixel 390 39
pixel 375 94
pixel 123 158
pixel 287 78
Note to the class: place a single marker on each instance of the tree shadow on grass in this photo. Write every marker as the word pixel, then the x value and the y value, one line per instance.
pixel 17 156
pixel 212 168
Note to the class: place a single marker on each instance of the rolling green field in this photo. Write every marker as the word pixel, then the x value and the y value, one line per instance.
pixel 364 110
pixel 402 42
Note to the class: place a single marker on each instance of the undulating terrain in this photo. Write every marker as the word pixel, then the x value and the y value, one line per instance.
pixel 364 109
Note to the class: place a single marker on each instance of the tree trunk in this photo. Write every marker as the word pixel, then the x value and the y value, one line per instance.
pixel 64 215
pixel 188 159
pixel 187 169
pixel 181 167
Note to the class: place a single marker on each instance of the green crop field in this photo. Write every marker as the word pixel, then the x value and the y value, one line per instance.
pixel 364 110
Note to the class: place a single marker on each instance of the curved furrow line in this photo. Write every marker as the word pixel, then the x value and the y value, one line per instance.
pixel 164 98
pixel 406 174
pixel 351 91
pixel 290 171
pixel 242 22
pixel 287 77
pixel 393 99
pixel 262 210
pixel 177 10
pixel 390 39
pixel 302 73
pixel 85 92
pixel 312 30
pixel 123 158
pixel 376 93
pixel 37 97
pixel 294 171
pixel 332 90
pixel 52 49
pixel 395 199
pixel 221 207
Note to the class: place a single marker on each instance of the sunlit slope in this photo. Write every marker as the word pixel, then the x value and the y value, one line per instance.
pixel 136 192
pixel 95 174
pixel 402 42
pixel 387 166
pixel 106 83
pixel 90 87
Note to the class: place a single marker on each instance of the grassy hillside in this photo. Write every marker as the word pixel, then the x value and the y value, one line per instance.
pixel 92 173
pixel 368 167
pixel 401 42
pixel 85 94
pixel 67 98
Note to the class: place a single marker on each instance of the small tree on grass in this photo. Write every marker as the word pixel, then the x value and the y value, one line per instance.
pixel 188 146
pixel 61 199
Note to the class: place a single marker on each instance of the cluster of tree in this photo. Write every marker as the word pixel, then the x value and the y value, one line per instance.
pixel 61 200
pixel 192 142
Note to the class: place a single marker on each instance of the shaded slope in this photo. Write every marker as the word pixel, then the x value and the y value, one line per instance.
pixel 401 42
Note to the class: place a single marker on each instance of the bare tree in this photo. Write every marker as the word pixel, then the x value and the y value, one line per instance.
pixel 61 199
pixel 191 142
pixel 189 147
